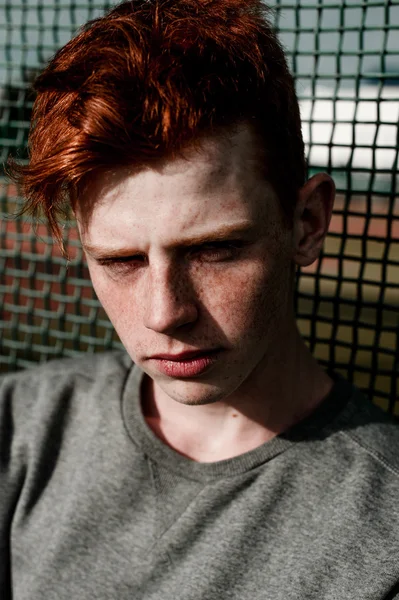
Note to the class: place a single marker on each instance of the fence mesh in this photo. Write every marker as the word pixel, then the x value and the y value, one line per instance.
pixel 345 58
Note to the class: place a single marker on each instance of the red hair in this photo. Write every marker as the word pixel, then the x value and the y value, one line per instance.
pixel 148 79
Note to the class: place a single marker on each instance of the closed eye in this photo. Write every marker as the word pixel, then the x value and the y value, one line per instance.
pixel 218 250
pixel 209 252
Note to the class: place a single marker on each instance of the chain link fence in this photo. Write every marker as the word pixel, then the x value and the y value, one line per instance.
pixel 345 57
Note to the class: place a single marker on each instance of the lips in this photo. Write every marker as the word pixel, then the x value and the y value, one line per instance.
pixel 187 364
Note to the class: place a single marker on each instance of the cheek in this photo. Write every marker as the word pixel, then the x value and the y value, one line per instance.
pixel 114 297
pixel 248 298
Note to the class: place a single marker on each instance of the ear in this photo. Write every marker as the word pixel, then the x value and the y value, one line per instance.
pixel 312 218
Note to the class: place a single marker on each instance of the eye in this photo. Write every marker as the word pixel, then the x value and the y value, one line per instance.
pixel 217 251
pixel 122 264
pixel 210 252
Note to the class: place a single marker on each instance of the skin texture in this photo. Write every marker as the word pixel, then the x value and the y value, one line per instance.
pixel 164 297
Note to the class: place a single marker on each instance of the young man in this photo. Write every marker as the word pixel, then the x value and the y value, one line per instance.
pixel 215 460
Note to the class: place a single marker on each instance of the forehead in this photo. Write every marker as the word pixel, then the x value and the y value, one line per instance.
pixel 212 183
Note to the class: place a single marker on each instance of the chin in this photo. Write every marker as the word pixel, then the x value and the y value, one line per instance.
pixel 194 393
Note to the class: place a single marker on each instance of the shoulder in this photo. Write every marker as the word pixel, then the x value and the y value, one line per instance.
pixel 372 431
pixel 30 395
pixel 85 367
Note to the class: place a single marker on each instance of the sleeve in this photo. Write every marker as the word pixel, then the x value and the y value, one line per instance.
pixel 11 479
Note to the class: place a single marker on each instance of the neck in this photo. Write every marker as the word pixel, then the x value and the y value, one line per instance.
pixel 267 404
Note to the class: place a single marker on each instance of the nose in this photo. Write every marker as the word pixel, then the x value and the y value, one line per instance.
pixel 169 300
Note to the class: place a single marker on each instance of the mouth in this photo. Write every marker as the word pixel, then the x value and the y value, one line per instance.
pixel 186 364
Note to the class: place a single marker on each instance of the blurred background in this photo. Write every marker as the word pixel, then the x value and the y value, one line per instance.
pixel 345 58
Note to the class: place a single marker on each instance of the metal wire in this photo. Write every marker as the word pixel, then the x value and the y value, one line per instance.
pixel 345 58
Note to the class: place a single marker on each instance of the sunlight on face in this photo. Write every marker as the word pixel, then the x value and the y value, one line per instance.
pixel 193 255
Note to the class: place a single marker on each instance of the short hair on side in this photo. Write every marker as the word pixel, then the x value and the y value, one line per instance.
pixel 148 79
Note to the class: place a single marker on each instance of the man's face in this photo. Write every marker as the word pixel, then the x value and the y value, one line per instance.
pixel 194 255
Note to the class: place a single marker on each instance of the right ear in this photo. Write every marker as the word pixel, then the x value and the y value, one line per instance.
pixel 312 218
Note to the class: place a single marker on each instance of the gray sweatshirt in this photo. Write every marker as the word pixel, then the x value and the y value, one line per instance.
pixel 93 506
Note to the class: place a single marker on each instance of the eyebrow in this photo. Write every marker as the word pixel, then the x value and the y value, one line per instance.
pixel 223 233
